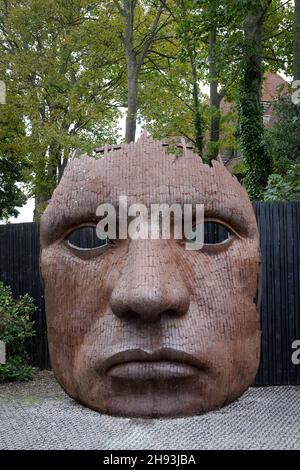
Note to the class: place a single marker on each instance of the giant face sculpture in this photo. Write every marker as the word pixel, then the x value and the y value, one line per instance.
pixel 146 327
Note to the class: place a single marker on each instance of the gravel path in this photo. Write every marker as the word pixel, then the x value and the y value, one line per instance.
pixel 38 415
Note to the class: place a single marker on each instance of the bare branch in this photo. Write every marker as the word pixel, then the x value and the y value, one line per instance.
pixel 264 10
pixel 167 8
pixel 151 36
pixel 283 31
pixel 161 54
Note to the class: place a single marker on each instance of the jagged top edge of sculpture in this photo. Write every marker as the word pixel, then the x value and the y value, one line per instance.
pixel 89 171
pixel 179 142
pixel 114 150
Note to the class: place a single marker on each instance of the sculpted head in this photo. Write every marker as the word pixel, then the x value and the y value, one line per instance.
pixel 145 327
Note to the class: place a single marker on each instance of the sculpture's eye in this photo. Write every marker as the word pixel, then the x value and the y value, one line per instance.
pixel 85 242
pixel 215 233
pixel 212 236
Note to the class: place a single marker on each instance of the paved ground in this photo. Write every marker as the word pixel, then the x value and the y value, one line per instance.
pixel 38 415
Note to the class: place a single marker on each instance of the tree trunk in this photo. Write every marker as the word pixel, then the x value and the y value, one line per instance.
pixel 197 113
pixel 40 203
pixel 297 41
pixel 215 99
pixel 135 59
pixel 132 106
pixel 254 153
pixel 61 168
pixel 253 74
pixel 51 174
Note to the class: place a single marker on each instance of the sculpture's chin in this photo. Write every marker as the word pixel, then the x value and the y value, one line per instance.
pixel 148 398
pixel 154 407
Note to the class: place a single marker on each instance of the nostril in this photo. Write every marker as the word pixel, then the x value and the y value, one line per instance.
pixel 148 315
pixel 171 313
pixel 137 315
pixel 129 315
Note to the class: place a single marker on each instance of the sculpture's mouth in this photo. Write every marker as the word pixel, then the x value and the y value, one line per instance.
pixel 165 364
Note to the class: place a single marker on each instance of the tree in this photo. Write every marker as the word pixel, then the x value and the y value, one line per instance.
pixel 255 156
pixel 73 64
pixel 142 22
pixel 12 161
pixel 189 41
pixel 296 63
pixel 170 97
pixel 63 64
pixel 215 96
pixel 171 102
pixel 222 23
pixel 283 139
pixel 166 101
pixel 284 188
pixel 170 88
pixel 228 49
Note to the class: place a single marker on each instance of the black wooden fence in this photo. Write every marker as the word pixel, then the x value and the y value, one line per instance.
pixel 279 226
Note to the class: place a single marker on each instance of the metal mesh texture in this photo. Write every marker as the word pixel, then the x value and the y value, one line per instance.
pixel 264 418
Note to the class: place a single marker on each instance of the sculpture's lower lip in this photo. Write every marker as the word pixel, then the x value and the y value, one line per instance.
pixel 152 370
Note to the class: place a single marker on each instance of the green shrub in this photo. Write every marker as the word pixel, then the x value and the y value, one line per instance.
pixel 284 188
pixel 16 368
pixel 16 328
pixel 283 139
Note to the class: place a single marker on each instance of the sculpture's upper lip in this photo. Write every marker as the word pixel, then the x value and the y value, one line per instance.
pixel 164 354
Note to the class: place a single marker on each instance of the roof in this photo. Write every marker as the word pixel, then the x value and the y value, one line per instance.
pixel 270 92
pixel 270 86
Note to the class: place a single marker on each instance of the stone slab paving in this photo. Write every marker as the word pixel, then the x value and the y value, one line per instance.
pixel 38 415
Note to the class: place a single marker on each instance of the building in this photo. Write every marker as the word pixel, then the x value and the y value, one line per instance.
pixel 273 86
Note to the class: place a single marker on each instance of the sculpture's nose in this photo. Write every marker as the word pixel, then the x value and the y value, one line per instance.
pixel 150 283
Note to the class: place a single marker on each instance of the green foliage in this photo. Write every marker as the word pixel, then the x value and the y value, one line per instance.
pixel 16 328
pixel 166 104
pixel 64 66
pixel 278 37
pixel 283 140
pixel 284 188
pixel 239 169
pixel 253 150
pixel 283 143
pixel 251 127
pixel 16 368
pixel 62 60
pixel 12 161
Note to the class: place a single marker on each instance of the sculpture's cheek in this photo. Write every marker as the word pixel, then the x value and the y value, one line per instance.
pixel 70 315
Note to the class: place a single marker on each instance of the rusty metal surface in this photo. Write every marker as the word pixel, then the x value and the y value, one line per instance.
pixel 181 325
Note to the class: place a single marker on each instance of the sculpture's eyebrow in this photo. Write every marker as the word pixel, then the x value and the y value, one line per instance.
pixel 232 207
pixel 66 210
pixel 241 219
pixel 78 206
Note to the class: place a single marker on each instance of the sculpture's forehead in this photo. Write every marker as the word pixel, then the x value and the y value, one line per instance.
pixel 145 173
pixel 152 175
